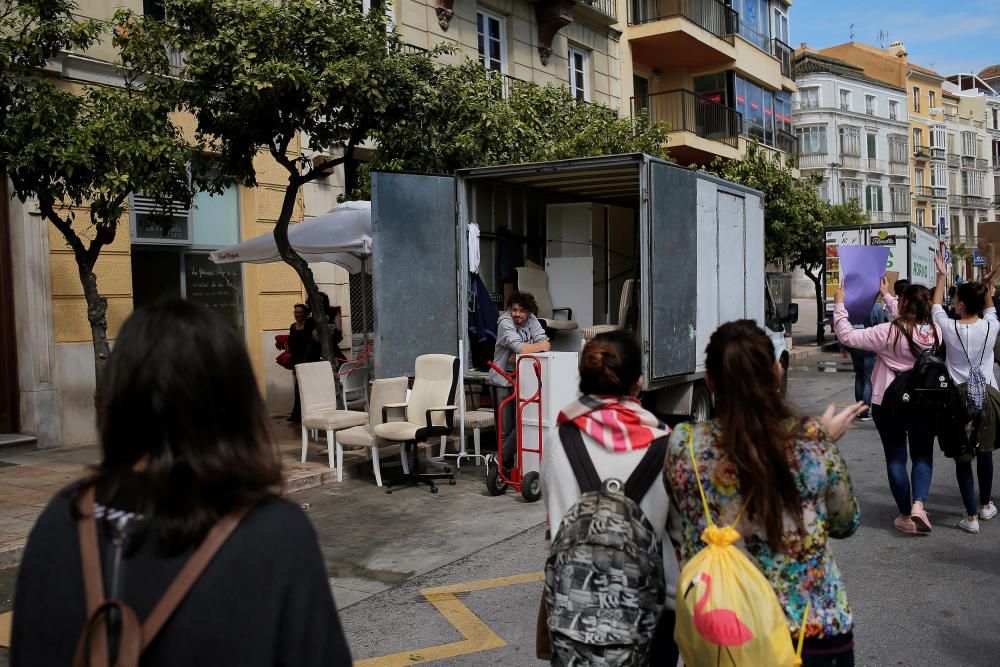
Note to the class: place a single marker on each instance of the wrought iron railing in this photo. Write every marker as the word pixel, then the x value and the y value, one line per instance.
pixel 923 191
pixel 606 7
pixel 758 39
pixel 813 161
pixel 874 164
pixel 937 153
pixel 954 159
pixel 686 111
pixel 712 15
pixel 921 151
pixel 850 161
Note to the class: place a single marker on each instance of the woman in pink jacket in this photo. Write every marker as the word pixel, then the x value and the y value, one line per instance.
pixel 898 344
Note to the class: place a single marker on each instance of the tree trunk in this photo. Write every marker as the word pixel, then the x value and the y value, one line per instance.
pixel 97 315
pixel 301 267
pixel 818 286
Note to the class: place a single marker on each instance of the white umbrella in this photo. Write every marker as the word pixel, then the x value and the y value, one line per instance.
pixel 342 236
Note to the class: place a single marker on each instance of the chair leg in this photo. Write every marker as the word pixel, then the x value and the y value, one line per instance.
pixel 373 452
pixel 305 443
pixel 330 448
pixel 475 444
pixel 340 463
pixel 402 456
pixel 444 445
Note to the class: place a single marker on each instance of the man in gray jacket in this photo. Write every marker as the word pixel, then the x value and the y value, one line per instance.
pixel 518 332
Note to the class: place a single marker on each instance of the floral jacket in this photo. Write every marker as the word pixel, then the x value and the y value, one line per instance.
pixel 804 568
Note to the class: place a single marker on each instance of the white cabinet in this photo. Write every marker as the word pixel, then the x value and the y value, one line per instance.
pixel 560 377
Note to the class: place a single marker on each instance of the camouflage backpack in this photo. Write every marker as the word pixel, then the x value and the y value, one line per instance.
pixel 604 583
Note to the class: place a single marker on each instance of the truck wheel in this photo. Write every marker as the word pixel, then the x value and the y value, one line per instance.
pixel 495 485
pixel 701 403
pixel 531 487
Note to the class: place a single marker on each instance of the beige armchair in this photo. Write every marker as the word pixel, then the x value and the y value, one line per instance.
pixel 384 392
pixel 429 412
pixel 536 283
pixel 628 290
pixel 318 395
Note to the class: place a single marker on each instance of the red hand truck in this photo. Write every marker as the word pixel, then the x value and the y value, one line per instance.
pixel 497 480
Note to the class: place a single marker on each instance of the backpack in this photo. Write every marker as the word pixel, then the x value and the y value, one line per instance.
pixel 132 637
pixel 727 611
pixel 976 386
pixel 923 396
pixel 604 582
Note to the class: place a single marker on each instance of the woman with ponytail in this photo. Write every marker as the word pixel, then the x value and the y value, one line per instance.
pixel 898 345
pixel 778 478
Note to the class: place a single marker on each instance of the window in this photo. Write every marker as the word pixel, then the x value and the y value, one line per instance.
pixel 754 17
pixel 808 98
pixel 823 190
pixel 579 87
pixel 812 139
pixel 969 144
pixel 870 105
pixel 918 178
pixel 781 25
pixel 920 217
pixel 850 192
pixel 783 111
pixel 916 99
pixel 492 39
pixel 972 183
pixel 897 149
pixel 850 141
pixel 941 218
pixel 900 200
pixel 931 99
pixel 872 146
pixel 873 198
pixel 939 176
pixel 366 6
pixel 996 119
pixel 951 143
pixel 918 139
pixel 893 110
pixel 845 100
pixel 937 137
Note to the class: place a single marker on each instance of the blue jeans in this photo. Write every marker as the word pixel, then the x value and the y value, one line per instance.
pixel 984 470
pixel 864 364
pixel 894 443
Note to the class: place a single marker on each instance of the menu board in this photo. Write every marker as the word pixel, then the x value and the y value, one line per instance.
pixel 215 286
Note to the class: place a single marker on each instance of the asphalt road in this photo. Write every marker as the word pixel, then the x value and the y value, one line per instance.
pixel 917 600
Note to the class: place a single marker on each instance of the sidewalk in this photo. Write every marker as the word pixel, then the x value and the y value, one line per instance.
pixel 29 478
pixel 804 332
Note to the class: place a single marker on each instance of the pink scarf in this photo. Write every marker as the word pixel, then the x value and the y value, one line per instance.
pixel 619 423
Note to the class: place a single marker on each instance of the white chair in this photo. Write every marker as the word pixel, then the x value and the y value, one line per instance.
pixel 536 282
pixel 628 289
pixel 318 396
pixel 354 383
pixel 429 412
pixel 384 392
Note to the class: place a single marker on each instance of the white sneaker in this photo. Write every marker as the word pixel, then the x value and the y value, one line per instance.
pixel 969 526
pixel 988 512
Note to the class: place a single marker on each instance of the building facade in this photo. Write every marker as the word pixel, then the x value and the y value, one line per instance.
pixel 852 130
pixel 720 73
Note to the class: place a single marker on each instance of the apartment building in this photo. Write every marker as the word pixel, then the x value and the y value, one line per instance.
pixel 852 130
pixel 720 73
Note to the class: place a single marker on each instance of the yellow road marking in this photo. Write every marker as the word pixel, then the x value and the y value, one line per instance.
pixel 478 636
pixel 5 621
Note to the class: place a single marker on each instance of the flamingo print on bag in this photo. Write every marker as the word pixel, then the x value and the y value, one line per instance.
pixel 718 626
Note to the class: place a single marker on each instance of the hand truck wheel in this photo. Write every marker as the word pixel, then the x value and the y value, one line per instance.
pixel 531 487
pixel 495 485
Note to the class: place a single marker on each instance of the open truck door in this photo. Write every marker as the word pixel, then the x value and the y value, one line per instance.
pixel 417 255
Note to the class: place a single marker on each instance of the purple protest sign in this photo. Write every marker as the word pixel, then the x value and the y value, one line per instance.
pixel 862 267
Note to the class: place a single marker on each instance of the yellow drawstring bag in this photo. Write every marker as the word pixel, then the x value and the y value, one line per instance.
pixel 727 611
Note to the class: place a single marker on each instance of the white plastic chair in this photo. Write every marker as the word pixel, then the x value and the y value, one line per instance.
pixel 354 381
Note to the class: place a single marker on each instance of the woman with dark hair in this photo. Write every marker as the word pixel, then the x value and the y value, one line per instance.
pixel 184 451
pixel 303 348
pixel 898 345
pixel 616 432
pixel 970 340
pixel 778 478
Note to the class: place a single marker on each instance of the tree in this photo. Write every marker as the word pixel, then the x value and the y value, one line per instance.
pixel 88 148
pixel 794 215
pixel 260 76
pixel 471 118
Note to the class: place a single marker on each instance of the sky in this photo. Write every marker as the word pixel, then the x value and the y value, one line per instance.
pixel 947 36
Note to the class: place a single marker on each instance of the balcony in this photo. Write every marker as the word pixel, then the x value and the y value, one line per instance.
pixel 996 201
pixel 971 122
pixel 924 192
pixel 874 165
pixel 760 40
pixel 899 169
pixel 921 152
pixel 850 162
pixel 813 161
pixel 996 162
pixel 954 159
pixel 889 216
pixel 783 53
pixel 685 111
pixel 669 34
pixel 968 201
pixel 968 162
pixel 982 163
pixel 937 153
pixel 786 143
pixel 605 9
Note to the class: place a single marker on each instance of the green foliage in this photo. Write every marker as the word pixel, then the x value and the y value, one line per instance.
pixel 468 117
pixel 34 31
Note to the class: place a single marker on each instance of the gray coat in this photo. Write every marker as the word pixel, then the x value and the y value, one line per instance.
pixel 510 339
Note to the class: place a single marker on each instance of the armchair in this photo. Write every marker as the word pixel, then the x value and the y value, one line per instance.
pixel 537 283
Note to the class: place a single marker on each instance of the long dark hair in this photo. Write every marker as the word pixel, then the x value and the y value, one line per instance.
pixel 610 364
pixel 179 390
pixel 914 310
pixel 755 423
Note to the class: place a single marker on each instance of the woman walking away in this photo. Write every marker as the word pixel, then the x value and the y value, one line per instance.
pixel 179 526
pixel 898 345
pixel 607 435
pixel 970 341
pixel 778 479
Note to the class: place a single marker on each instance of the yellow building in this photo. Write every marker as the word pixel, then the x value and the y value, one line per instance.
pixel 720 73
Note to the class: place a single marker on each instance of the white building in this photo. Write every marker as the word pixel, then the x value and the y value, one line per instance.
pixel 853 131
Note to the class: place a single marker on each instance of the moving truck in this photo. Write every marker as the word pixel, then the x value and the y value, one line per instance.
pixel 692 245
pixel 911 252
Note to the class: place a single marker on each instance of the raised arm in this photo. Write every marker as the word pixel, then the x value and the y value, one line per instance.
pixel 942 276
pixel 889 299
pixel 872 339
